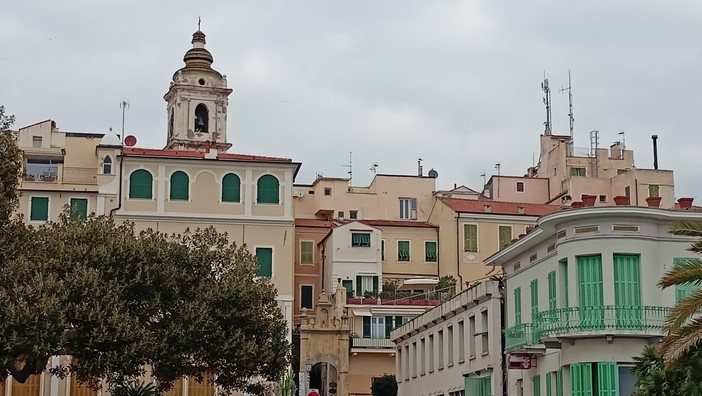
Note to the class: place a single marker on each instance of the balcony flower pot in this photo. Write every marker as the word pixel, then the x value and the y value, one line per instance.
pixel 577 204
pixel 654 202
pixel 685 203
pixel 621 200
pixel 588 200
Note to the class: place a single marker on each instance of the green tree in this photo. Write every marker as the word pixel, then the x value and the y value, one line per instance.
pixel 10 167
pixel 118 300
pixel 447 284
pixel 683 326
pixel 384 386
pixel 655 378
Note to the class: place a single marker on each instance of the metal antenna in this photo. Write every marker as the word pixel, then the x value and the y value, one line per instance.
pixel 124 105
pixel 198 23
pixel 570 104
pixel 350 167
pixel 374 168
pixel 547 102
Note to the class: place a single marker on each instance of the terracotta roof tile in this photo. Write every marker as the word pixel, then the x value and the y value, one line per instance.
pixel 316 223
pixel 503 208
pixel 397 223
pixel 145 152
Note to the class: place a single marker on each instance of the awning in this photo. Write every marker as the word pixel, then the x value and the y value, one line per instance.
pixel 419 284
pixel 399 310
pixel 361 312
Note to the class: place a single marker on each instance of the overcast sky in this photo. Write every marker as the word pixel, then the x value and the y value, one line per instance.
pixel 456 83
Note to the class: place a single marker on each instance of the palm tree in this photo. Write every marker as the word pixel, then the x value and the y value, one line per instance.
pixel 655 378
pixel 683 327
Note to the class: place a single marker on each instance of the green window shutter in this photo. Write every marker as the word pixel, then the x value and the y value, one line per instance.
pixel 505 235
pixel 430 251
pixel 536 382
pixel 141 184
pixel 552 291
pixel 586 378
pixel 590 292
pixel 39 210
pixel 264 257
pixel 559 382
pixel 627 291
pixel 366 327
pixel 359 283
pixel 180 186
pixel 306 252
pixel 348 285
pixel 375 284
pixel 474 386
pixel 382 250
pixel 607 379
pixel 398 321
pixel 534 298
pixel 268 190
pixel 684 290
pixel 548 384
pixel 231 188
pixel 79 209
pixel 403 251
pixel 486 386
pixel 518 306
pixel 470 237
pixel 388 326
pixel 576 388
pixel 564 272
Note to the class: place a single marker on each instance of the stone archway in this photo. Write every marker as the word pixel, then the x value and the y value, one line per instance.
pixel 324 346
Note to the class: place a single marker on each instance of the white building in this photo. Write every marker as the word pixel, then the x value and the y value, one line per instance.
pixel 454 349
pixel 581 298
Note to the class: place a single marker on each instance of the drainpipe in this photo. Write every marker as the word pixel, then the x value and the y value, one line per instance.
pixel 636 190
pixel 119 193
pixel 655 151
pixel 503 322
pixel 458 253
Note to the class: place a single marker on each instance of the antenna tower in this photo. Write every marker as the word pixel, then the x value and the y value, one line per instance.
pixel 124 105
pixel 350 169
pixel 594 145
pixel 570 104
pixel 547 102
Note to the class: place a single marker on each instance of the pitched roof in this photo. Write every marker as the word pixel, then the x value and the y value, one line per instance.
pixel 496 207
pixel 315 223
pixel 397 223
pixel 146 152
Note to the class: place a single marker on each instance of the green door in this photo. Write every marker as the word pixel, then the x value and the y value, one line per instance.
pixel 590 293
pixel 627 291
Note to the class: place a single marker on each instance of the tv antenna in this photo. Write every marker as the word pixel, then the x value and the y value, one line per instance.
pixel 350 167
pixel 374 168
pixel 547 102
pixel 570 103
pixel 124 105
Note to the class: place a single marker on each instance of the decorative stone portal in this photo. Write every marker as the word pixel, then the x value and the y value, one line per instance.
pixel 324 346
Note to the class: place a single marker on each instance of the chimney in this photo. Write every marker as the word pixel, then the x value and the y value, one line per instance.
pixel 655 151
pixel 419 167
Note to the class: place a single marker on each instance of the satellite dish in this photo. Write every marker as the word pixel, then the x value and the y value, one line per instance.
pixel 433 174
pixel 130 141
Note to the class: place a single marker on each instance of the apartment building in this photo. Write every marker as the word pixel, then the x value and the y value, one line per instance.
pixel 581 298
pixel 455 349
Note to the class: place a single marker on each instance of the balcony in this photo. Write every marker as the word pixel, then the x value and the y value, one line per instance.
pixel 46 173
pixel 609 319
pixel 518 336
pixel 79 175
pixel 372 343
pixel 57 173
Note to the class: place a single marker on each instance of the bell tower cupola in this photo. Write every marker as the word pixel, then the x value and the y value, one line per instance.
pixel 197 102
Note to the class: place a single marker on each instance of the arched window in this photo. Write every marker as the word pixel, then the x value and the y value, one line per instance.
pixel 170 125
pixel 140 184
pixel 180 186
pixel 107 165
pixel 231 188
pixel 202 118
pixel 268 189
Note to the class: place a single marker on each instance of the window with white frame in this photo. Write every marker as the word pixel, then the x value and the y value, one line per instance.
pixel 408 208
pixel 377 327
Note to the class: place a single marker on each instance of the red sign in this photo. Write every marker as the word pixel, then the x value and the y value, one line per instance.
pixel 313 393
pixel 519 361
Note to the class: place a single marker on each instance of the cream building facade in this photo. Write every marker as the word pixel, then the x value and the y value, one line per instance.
pixel 581 297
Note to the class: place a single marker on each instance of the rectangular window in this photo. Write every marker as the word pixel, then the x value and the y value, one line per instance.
pixel 408 208
pixel 366 284
pixel 374 327
pixel 461 342
pixel 353 214
pixel 431 353
pixel 414 359
pixel 590 293
pixel 654 190
pixel 627 291
pixel 382 250
pixel 577 171
pixel 471 338
pixel 360 239
pixel 264 257
pixel 534 299
pixel 505 235
pixel 517 306
pixel 407 363
pixel 470 237
pixel 327 191
pixel 603 199
pixel 403 250
pixel 441 349
pixel 306 296
pixel 306 252
pixel 449 335
pixel 520 186
pixel 79 209
pixel 563 267
pixel 485 336
pixel 348 285
pixel 552 291
pixel 340 214
pixel 430 255
pixel 39 210
pixel 536 383
pixel 36 141
pixel 684 290
pixel 423 356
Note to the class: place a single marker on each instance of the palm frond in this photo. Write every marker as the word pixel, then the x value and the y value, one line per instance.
pixel 685 309
pixel 676 345
pixel 687 228
pixel 688 271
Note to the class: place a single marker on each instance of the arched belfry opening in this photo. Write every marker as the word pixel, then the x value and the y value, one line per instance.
pixel 202 118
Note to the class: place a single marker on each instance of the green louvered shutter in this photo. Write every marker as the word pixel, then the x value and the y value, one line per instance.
pixel 486 386
pixel 470 237
pixel 576 379
pixel 231 188
pixel 534 299
pixel 518 306
pixel 627 291
pixel 140 184
pixel 559 382
pixel 180 186
pixel 366 327
pixel 348 285
pixel 375 284
pixel 268 190
pixel 682 291
pixel 564 271
pixel 607 379
pixel 548 384
pixel 586 373
pixel 359 284
pixel 536 385
pixel 552 291
pixel 388 326
pixel 590 292
pixel 505 235
pixel 39 210
pixel 264 257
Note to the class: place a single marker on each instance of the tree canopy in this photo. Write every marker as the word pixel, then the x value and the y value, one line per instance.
pixel 384 386
pixel 118 300
pixel 655 378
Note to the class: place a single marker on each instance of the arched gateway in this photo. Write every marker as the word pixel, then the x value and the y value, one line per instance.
pixel 324 346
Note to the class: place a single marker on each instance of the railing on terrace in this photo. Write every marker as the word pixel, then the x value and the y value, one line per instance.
pixel 41 172
pixel 520 335
pixel 565 321
pixel 379 343
pixel 79 175
pixel 402 298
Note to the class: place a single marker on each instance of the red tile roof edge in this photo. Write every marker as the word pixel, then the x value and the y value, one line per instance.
pixel 397 223
pixel 498 207
pixel 147 152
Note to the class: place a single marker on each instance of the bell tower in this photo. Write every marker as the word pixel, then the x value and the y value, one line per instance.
pixel 197 102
